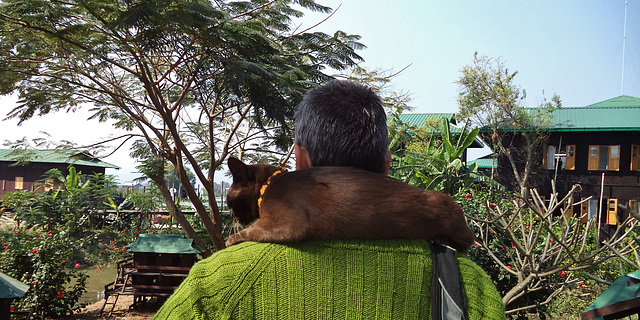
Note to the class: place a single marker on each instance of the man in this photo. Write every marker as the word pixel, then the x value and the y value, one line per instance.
pixel 338 124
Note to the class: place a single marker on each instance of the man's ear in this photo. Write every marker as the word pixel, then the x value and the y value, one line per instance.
pixel 302 157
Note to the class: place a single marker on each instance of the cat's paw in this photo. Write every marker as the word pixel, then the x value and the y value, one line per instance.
pixel 234 239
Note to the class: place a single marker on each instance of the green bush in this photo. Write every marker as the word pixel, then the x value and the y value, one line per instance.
pixel 43 261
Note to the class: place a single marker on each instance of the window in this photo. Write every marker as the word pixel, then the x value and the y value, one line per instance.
pixel 633 205
pixel 604 158
pixel 566 158
pixel 588 209
pixel 19 185
pixel 49 184
pixel 568 207
pixel 570 162
pixel 635 157
pixel 612 211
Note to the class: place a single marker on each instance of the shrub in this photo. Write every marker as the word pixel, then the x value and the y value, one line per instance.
pixel 42 261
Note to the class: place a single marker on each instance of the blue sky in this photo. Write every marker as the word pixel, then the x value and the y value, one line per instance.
pixel 572 48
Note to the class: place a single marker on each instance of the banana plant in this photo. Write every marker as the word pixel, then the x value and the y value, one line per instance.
pixel 440 167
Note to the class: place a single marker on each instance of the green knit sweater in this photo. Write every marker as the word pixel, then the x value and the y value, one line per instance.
pixel 356 279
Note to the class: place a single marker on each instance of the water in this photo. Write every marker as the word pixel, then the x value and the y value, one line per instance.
pixel 98 278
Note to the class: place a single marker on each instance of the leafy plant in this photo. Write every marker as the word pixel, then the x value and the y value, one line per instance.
pixel 43 261
pixel 439 167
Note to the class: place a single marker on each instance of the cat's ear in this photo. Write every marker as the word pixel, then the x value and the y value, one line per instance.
pixel 240 171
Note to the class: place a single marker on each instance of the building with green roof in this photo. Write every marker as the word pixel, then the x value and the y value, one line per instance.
pixel 20 169
pixel 591 143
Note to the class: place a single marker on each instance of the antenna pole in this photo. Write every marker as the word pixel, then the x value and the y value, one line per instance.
pixel 624 43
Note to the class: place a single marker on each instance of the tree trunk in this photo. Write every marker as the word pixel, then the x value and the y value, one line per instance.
pixel 213 223
pixel 177 214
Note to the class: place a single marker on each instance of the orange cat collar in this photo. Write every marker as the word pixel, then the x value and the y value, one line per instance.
pixel 266 184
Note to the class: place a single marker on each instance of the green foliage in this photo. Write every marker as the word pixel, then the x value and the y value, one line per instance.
pixel 439 167
pixel 535 253
pixel 197 80
pixel 44 262
pixel 75 207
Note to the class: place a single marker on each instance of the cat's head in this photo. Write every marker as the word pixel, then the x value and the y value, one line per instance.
pixel 242 197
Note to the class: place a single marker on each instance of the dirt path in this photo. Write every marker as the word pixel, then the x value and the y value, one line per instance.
pixel 121 311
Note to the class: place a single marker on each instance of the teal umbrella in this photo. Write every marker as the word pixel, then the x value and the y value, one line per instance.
pixel 11 288
pixel 621 299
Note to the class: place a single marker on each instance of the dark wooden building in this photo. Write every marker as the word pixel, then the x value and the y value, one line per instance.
pixel 598 147
pixel 21 169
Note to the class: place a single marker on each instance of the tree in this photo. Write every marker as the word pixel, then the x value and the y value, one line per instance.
pixel 193 81
pixel 535 250
pixel 490 99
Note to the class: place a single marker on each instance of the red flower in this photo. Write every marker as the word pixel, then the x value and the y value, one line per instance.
pixel 503 248
pixel 508 267
pixel 517 198
pixel 34 251
pixel 136 232
pixel 99 254
pixel 492 204
pixel 562 273
pixel 15 232
pixel 124 230
pixel 50 234
pixel 77 265
pixel 12 309
pixel 468 196
pixel 513 246
pixel 40 235
pixel 60 293
pixel 581 284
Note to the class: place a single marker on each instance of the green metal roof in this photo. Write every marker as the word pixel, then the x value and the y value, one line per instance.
pixel 626 287
pixel 11 288
pixel 486 162
pixel 74 157
pixel 164 243
pixel 618 114
pixel 419 119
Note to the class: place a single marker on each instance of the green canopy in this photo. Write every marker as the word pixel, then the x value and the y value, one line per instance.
pixel 620 299
pixel 11 288
pixel 164 243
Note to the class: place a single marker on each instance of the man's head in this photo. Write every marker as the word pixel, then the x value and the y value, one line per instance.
pixel 342 123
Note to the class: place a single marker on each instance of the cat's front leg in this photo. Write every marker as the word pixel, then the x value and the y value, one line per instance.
pixel 234 239
pixel 271 230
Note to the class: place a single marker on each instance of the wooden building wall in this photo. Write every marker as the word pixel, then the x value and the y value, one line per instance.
pixel 34 172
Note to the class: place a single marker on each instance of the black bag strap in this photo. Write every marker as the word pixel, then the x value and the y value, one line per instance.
pixel 448 300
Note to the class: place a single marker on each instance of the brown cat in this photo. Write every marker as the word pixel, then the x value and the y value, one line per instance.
pixel 339 203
